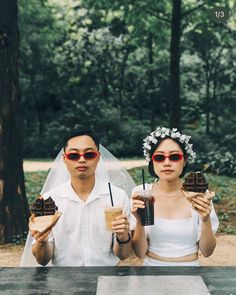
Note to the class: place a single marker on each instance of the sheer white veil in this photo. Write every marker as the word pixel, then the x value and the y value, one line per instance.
pixel 109 169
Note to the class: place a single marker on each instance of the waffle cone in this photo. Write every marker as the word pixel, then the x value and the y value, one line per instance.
pixel 190 195
pixel 43 223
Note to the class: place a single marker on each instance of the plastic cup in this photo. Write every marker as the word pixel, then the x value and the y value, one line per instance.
pixel 146 214
pixel 110 215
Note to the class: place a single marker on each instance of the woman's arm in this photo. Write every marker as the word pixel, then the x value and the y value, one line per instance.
pixel 140 243
pixel 207 242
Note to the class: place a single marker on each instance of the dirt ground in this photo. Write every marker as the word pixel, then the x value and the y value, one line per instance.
pixel 224 254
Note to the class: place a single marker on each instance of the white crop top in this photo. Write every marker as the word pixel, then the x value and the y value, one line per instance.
pixel 173 237
pixel 176 237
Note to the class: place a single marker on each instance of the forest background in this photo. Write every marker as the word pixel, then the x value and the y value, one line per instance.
pixel 105 65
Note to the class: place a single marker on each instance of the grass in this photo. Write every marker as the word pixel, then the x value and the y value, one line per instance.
pixel 34 183
pixel 39 160
pixel 224 201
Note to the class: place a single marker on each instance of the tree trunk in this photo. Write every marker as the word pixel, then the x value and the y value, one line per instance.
pixel 14 210
pixel 207 99
pixel 121 84
pixel 174 91
pixel 151 81
pixel 216 113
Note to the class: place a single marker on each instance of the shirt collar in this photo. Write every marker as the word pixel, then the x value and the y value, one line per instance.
pixel 100 189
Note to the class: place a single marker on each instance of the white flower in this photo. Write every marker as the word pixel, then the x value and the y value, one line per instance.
pixel 152 133
pixel 147 146
pixel 164 129
pixel 187 138
pixel 154 140
pixel 174 135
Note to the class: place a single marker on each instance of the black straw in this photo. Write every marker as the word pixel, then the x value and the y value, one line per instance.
pixel 110 194
pixel 143 179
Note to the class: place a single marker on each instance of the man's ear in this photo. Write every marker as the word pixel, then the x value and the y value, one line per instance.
pixel 99 154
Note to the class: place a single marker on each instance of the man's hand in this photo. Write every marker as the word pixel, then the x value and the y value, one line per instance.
pixel 41 237
pixel 121 227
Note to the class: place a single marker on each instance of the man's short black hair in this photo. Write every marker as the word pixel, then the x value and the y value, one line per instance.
pixel 81 133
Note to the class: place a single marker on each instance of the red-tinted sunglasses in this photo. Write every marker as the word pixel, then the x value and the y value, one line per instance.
pixel 173 157
pixel 74 156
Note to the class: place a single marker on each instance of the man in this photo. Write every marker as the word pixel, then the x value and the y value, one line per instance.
pixel 79 238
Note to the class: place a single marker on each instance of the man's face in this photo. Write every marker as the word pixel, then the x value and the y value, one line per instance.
pixel 81 168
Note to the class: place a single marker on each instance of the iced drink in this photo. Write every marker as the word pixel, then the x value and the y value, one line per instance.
pixel 110 215
pixel 146 214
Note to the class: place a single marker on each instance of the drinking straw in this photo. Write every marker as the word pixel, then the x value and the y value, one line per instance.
pixel 110 194
pixel 143 179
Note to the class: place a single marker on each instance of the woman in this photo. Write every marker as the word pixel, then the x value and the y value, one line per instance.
pixel 179 229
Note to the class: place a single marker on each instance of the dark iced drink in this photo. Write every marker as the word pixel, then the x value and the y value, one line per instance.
pixel 146 214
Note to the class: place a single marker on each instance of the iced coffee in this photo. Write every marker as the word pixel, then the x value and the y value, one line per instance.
pixel 110 215
pixel 146 214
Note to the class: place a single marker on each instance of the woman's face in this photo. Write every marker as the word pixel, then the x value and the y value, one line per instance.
pixel 168 170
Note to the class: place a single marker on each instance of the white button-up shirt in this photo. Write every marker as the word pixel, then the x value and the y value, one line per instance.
pixel 80 237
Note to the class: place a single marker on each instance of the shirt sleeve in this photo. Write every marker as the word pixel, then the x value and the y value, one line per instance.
pixel 214 222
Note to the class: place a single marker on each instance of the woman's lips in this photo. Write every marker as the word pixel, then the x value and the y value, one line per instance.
pixel 81 168
pixel 167 171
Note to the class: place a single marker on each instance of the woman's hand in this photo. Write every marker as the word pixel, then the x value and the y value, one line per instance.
pixel 202 205
pixel 121 227
pixel 136 203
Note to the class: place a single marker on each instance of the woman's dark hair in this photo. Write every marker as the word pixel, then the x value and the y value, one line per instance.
pixel 80 133
pixel 181 145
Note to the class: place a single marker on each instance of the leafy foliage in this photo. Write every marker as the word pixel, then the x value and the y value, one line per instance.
pixel 218 162
pixel 34 182
pixel 104 65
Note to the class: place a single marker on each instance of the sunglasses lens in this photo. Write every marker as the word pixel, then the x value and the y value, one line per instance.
pixel 158 158
pixel 73 156
pixel 175 157
pixel 90 155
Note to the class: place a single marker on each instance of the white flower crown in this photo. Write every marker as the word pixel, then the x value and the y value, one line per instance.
pixel 162 132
